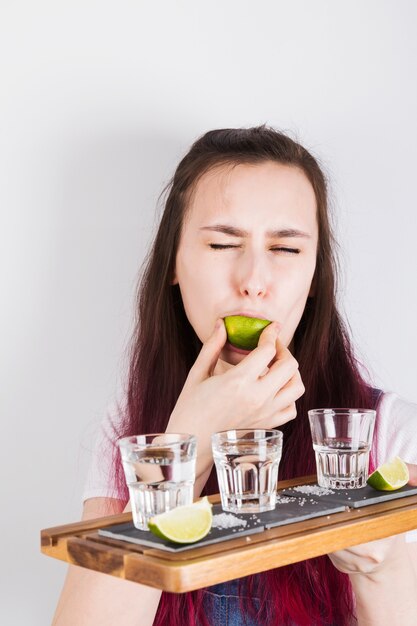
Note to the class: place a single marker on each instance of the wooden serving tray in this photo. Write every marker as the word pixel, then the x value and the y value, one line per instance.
pixel 80 544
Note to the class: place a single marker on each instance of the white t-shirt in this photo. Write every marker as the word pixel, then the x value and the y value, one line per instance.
pixel 395 435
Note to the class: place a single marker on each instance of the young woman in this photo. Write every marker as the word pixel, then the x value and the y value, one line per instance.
pixel 246 231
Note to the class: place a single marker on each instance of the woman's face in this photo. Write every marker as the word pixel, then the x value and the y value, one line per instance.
pixel 248 247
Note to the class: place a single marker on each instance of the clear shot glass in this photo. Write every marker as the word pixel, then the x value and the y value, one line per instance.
pixel 247 464
pixel 160 472
pixel 342 440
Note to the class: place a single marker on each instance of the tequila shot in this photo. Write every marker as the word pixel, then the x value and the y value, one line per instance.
pixel 342 440
pixel 247 469
pixel 160 472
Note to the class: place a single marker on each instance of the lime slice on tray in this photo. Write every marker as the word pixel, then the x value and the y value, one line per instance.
pixel 184 524
pixel 244 332
pixel 390 476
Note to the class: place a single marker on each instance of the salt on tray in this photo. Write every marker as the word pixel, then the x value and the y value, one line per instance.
pixel 313 490
pixel 284 499
pixel 227 520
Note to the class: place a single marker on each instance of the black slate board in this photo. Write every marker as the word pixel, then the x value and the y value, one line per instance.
pixel 354 498
pixel 298 510
pixel 287 511
pixel 292 506
pixel 128 532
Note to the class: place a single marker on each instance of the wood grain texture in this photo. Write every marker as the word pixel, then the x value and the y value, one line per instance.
pixel 81 544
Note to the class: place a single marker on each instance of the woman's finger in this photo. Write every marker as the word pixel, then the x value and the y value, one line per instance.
pixel 290 392
pixel 281 372
pixel 412 469
pixel 277 418
pixel 209 354
pixel 255 363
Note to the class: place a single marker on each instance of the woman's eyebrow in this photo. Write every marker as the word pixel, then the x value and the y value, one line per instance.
pixel 273 234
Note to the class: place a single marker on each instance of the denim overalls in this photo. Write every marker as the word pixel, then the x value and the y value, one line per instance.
pixel 222 602
pixel 222 605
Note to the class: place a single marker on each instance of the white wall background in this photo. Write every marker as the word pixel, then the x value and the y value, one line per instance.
pixel 98 102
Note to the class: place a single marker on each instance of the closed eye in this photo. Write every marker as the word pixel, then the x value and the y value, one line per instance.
pixel 221 246
pixel 286 250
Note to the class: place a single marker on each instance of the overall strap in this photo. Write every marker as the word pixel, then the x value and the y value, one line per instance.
pixel 376 395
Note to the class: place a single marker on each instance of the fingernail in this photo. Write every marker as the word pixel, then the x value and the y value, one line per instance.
pixel 218 324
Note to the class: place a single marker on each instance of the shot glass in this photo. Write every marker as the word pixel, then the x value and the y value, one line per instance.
pixel 160 472
pixel 247 469
pixel 342 440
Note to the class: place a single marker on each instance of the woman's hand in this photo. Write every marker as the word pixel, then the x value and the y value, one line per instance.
pixel 259 392
pixel 412 470
pixel 383 574
pixel 371 557
pixel 366 558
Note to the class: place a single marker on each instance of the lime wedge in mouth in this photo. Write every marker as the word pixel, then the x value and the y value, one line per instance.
pixel 390 476
pixel 244 332
pixel 184 524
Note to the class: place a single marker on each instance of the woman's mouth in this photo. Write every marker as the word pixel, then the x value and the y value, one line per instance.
pixel 233 348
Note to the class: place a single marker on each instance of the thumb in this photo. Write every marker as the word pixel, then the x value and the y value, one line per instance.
pixel 269 334
pixel 209 353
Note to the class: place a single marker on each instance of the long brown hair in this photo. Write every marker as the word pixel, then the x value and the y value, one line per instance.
pixel 165 346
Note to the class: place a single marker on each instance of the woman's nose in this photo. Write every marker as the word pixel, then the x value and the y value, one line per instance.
pixel 252 277
pixel 253 290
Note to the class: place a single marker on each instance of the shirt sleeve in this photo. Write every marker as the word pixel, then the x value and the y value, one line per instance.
pixel 396 435
pixel 100 481
pixel 396 429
